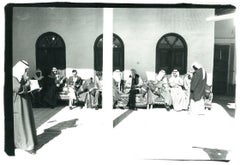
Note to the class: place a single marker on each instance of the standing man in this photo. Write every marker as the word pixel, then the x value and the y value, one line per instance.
pixel 25 135
pixel 197 89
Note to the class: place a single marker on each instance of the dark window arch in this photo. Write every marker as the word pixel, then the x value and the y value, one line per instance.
pixel 50 52
pixel 118 53
pixel 98 53
pixel 171 53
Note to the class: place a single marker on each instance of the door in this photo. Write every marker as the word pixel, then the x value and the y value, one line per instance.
pixel 220 70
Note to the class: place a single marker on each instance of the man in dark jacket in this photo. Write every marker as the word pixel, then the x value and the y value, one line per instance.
pixel 74 83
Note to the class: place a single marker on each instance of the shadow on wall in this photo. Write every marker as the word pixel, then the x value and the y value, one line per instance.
pixel 52 132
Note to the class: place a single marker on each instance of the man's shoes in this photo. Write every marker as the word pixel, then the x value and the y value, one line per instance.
pixel 133 108
pixel 168 107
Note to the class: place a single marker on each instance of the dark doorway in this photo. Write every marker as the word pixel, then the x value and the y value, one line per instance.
pixel 220 70
pixel 171 53
pixel 50 52
pixel 118 53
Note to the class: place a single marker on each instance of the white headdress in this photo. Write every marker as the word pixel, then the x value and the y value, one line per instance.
pixel 117 75
pixel 19 69
pixel 160 75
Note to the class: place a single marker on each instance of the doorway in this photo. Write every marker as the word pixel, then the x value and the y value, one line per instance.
pixel 220 70
pixel 50 52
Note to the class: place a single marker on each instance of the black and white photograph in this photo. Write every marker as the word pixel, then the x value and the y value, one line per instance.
pixel 120 82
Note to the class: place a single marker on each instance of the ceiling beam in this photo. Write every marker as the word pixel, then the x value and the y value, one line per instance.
pixel 221 17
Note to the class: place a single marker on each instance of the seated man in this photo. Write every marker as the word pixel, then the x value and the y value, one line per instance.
pixel 160 88
pixel 179 97
pixel 116 94
pixel 74 83
pixel 87 91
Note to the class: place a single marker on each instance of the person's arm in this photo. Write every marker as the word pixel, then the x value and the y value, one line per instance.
pixel 24 85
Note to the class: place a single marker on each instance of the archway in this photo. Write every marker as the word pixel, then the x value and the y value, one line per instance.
pixel 50 52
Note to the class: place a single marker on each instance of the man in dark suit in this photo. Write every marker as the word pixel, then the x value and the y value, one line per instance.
pixel 74 83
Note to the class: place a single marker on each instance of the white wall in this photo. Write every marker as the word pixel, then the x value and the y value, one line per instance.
pixel 79 28
pixel 140 30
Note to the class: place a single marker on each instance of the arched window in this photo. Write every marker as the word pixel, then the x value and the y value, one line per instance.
pixel 98 53
pixel 50 52
pixel 171 53
pixel 118 53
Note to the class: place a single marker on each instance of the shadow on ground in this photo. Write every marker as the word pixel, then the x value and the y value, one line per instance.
pixel 227 102
pixel 215 154
pixel 52 132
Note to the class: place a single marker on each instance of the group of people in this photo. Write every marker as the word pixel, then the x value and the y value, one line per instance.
pixel 89 92
pixel 50 85
pixel 80 92
pixel 174 90
pixel 177 92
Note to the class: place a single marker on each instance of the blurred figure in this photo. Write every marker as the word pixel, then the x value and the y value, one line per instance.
pixel 25 137
pixel 198 84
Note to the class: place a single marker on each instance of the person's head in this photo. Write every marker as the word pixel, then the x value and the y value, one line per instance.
pixel 175 73
pixel 74 72
pixel 38 74
pixel 20 69
pixel 162 72
pixel 99 75
pixel 133 72
pixel 196 66
pixel 160 75
pixel 54 70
